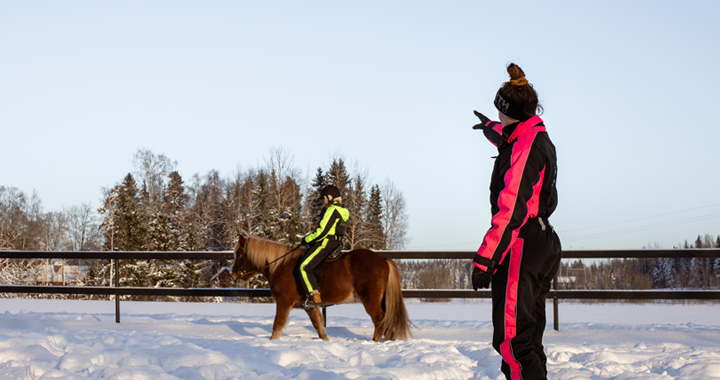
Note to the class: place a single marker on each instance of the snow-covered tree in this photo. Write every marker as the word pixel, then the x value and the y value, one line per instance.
pixel 82 228
pixel 374 231
pixel 134 220
pixel 395 219
pixel 313 202
pixel 248 205
pixel 53 232
pixel 174 203
pixel 263 223
pixel 113 226
pixel 152 169
pixel 284 207
pixel 208 199
pixel 338 176
pixel 159 232
pixel 356 202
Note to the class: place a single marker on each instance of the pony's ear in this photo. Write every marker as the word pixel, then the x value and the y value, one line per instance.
pixel 242 241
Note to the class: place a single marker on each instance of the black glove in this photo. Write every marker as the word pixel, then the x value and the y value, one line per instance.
pixel 304 244
pixel 481 279
pixel 483 121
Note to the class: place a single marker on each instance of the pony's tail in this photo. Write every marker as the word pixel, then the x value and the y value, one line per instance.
pixel 395 324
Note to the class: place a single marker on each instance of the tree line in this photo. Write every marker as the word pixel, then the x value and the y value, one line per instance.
pixel 650 273
pixel 154 208
pixel 640 273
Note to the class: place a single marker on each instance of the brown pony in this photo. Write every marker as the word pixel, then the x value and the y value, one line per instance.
pixel 360 273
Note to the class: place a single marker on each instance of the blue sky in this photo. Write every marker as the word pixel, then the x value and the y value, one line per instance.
pixel 626 86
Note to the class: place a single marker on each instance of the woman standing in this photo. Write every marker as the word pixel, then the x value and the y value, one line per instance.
pixel 520 253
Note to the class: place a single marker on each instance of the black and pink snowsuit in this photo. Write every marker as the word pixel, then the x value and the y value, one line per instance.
pixel 521 247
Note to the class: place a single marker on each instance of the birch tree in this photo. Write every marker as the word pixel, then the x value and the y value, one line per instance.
pixel 153 169
pixel 395 219
pixel 82 228
pixel 356 202
pixel 284 198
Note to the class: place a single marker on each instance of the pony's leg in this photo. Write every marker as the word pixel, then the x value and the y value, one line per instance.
pixel 282 313
pixel 370 283
pixel 372 301
pixel 317 320
pixel 377 316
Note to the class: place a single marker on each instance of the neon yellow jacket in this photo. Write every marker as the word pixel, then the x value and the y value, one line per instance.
pixel 332 223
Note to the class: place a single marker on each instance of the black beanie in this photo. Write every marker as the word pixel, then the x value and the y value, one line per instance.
pixel 331 192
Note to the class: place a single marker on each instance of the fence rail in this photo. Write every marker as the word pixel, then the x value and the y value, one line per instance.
pixel 227 255
pixel 555 294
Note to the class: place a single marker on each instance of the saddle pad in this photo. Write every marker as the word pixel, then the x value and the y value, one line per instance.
pixel 336 254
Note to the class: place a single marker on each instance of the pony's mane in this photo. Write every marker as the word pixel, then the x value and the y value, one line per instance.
pixel 262 251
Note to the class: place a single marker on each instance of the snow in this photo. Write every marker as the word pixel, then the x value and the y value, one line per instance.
pixel 62 339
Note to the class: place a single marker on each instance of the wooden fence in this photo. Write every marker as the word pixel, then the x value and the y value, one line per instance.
pixel 223 256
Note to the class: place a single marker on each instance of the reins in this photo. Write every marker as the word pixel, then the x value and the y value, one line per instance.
pixel 241 264
pixel 289 252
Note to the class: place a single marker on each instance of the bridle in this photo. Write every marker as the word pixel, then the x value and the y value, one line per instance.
pixel 241 264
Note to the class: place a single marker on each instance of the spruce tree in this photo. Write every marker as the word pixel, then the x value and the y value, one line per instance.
pixel 290 212
pixel 313 201
pixel 192 275
pixel 373 220
pixel 263 221
pixel 133 272
pixel 174 202
pixel 191 241
pixel 208 209
pixel 163 273
pixel 699 242
pixel 135 234
pixel 233 210
pixel 160 234
pixel 659 280
pixel 356 203
pixel 338 176
pixel 248 206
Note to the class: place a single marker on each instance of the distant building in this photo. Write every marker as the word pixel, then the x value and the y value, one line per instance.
pixel 57 273
pixel 565 281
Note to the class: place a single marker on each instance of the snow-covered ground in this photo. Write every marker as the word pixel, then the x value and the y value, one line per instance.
pixel 56 339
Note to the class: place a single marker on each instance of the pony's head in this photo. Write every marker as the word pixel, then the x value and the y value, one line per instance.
pixel 256 255
pixel 243 268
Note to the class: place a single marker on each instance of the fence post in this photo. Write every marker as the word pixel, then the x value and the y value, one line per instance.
pixel 556 319
pixel 117 295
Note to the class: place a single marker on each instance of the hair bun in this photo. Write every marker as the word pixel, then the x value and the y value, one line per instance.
pixel 517 97
pixel 517 76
